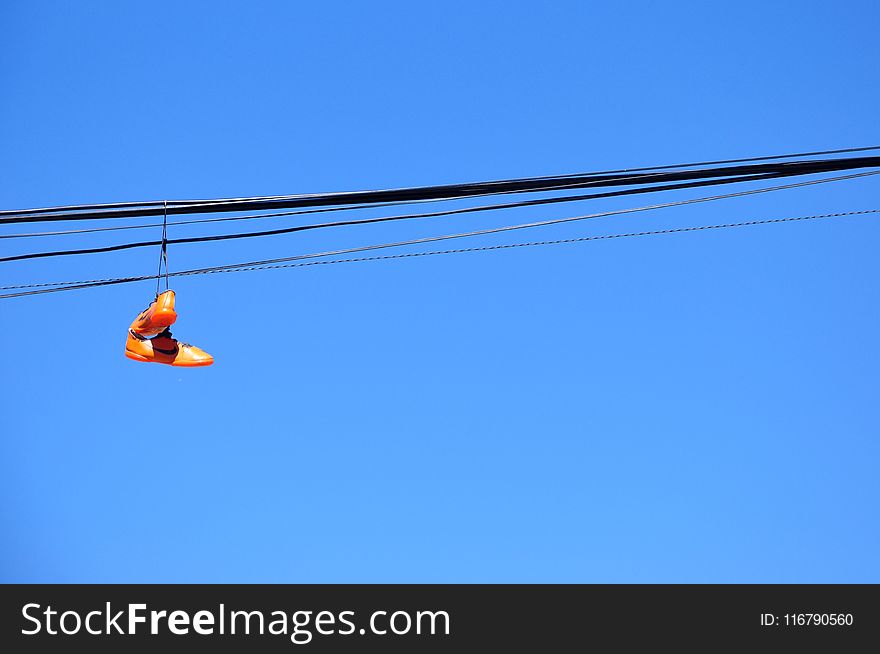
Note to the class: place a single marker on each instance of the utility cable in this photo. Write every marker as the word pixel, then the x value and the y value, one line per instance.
pixel 381 219
pixel 643 178
pixel 406 255
pixel 447 192
pixel 461 235
pixel 156 203
pixel 555 187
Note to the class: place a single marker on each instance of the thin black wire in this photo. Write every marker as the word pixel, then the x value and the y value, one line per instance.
pixel 542 223
pixel 447 192
pixel 479 232
pixel 553 221
pixel 300 228
pixel 153 203
pixel 504 246
pixel 580 239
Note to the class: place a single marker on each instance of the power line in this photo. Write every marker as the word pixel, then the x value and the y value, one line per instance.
pixel 159 203
pixel 556 187
pixel 76 285
pixel 542 223
pixel 347 208
pixel 504 246
pixel 381 219
pixel 447 192
pixel 407 255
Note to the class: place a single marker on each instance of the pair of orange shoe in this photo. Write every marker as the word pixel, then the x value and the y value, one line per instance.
pixel 149 339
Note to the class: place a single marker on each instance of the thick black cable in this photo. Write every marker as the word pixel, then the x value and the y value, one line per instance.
pixel 643 178
pixel 555 187
pixel 380 219
pixel 482 232
pixel 122 205
pixel 448 192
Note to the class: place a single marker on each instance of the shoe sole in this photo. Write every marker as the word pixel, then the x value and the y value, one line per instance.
pixel 161 319
pixel 197 364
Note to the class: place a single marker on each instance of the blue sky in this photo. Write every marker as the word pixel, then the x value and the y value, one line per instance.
pixel 685 408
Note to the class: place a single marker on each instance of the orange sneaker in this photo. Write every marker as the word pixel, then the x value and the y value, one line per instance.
pixel 165 349
pixel 156 317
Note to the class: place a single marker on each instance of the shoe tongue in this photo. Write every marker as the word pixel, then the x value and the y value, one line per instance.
pixel 164 341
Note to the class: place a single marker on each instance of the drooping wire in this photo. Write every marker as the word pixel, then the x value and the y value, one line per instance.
pixel 76 285
pixel 407 255
pixel 539 201
pixel 543 223
pixel 153 203
pixel 581 239
pixel 447 192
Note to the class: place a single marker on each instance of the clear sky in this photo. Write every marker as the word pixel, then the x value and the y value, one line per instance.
pixel 684 408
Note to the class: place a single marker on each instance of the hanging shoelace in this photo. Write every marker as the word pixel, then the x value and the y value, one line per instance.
pixel 163 253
